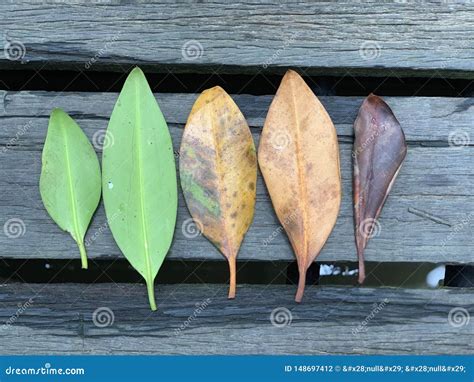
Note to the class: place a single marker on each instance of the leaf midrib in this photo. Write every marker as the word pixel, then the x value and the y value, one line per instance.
pixel 299 160
pixel 72 194
pixel 141 194
pixel 222 195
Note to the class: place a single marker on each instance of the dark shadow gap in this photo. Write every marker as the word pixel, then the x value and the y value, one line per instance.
pixel 407 275
pixel 461 276
pixel 94 81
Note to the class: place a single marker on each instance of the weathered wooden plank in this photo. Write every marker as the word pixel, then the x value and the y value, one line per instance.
pixel 360 38
pixel 434 181
pixel 424 119
pixel 427 216
pixel 198 319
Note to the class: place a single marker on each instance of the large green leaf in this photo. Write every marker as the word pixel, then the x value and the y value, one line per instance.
pixel 139 179
pixel 70 177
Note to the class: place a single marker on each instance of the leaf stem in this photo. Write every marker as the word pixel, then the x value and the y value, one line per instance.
pixel 151 294
pixel 82 250
pixel 72 196
pixel 233 277
pixel 361 266
pixel 301 285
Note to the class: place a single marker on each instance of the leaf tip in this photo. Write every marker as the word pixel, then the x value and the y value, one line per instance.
pixel 291 72
pixel 216 88
pixel 57 112
pixel 293 76
pixel 213 93
pixel 136 74
pixel 60 118
pixel 136 70
pixel 376 101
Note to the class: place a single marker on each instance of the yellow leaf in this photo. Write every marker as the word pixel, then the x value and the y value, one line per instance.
pixel 218 170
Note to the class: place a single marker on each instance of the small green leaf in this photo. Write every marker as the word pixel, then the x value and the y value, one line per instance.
pixel 139 179
pixel 70 178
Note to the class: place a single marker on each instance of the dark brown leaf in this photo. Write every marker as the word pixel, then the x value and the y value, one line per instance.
pixel 379 151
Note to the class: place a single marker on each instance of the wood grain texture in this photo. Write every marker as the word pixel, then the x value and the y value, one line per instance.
pixel 408 39
pixel 425 120
pixel 198 319
pixel 425 219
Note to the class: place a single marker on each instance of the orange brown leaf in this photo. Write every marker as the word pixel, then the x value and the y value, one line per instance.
pixel 299 160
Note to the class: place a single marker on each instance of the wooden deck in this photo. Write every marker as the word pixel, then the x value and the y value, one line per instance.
pixel 331 320
pixel 432 195
pixel 409 39
pixel 427 218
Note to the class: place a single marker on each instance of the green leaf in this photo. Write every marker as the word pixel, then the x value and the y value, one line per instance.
pixel 70 178
pixel 139 179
